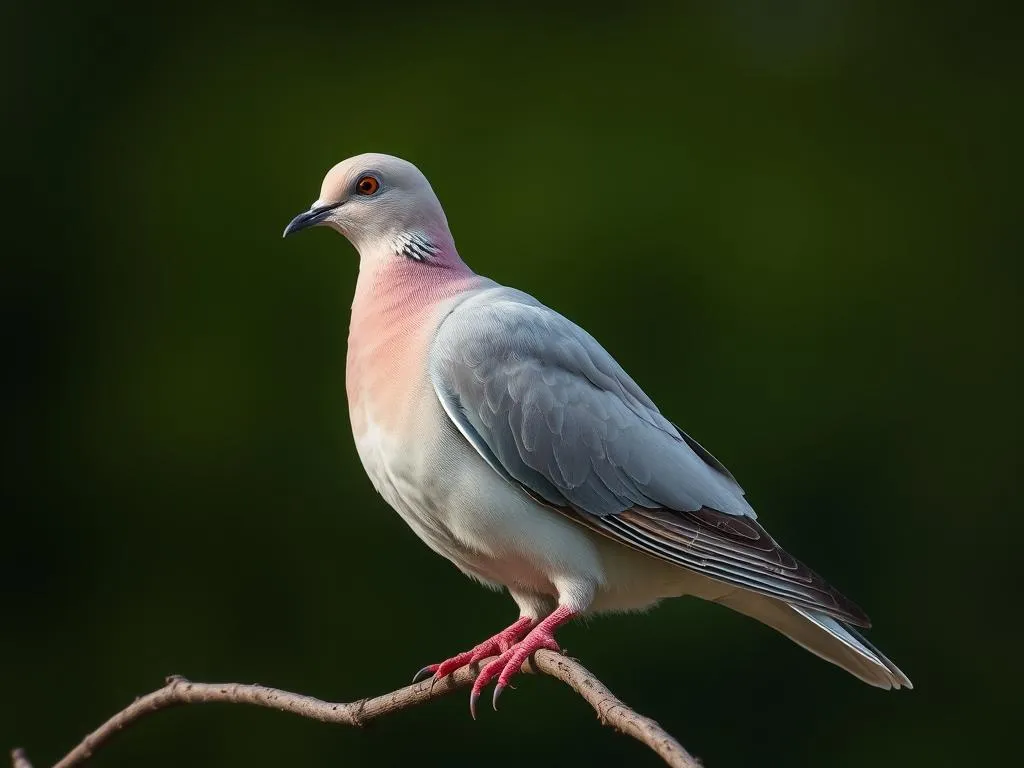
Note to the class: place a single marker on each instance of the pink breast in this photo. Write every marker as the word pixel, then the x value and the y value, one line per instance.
pixel 396 310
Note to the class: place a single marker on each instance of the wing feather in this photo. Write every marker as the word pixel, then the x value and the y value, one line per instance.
pixel 548 408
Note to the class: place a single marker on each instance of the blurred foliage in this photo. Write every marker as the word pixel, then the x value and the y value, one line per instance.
pixel 797 224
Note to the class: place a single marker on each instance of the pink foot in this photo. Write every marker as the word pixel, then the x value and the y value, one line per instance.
pixel 500 643
pixel 511 659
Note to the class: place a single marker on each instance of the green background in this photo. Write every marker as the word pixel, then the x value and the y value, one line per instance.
pixel 797 225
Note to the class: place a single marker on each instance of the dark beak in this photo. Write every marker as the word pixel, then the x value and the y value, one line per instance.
pixel 309 218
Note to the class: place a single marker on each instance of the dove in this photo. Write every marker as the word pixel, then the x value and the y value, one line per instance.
pixel 515 446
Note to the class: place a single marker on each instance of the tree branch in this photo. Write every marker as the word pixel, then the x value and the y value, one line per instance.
pixel 610 710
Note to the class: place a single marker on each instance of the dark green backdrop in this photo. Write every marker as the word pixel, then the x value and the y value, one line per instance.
pixel 798 227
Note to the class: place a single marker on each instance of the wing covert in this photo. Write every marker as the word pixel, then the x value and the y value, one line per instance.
pixel 560 416
pixel 548 408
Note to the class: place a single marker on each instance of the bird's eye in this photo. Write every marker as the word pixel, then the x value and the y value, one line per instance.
pixel 367 185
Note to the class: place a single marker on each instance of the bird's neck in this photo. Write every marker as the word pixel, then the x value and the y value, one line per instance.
pixel 420 241
pixel 397 306
pixel 407 272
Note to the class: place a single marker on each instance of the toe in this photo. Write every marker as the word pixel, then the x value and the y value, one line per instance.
pixel 512 667
pixel 482 652
pixel 488 672
pixel 445 668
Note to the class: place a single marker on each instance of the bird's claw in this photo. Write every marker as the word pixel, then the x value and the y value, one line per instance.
pixel 498 644
pixel 497 692
pixel 424 673
pixel 512 648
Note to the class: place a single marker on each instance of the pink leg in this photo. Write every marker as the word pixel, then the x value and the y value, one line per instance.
pixel 511 660
pixel 500 643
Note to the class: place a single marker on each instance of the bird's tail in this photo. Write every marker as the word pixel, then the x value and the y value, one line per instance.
pixel 823 636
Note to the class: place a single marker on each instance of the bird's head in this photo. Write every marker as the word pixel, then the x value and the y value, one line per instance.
pixel 385 207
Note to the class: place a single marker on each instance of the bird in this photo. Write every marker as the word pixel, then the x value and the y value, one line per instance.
pixel 515 446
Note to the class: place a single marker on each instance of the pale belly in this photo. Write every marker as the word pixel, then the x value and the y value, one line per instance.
pixel 492 531
pixel 453 501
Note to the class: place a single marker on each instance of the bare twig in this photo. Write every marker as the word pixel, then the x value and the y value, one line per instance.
pixel 610 710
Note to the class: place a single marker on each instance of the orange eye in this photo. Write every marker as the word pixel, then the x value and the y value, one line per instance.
pixel 367 185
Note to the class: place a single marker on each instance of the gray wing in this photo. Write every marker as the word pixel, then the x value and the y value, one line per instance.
pixel 549 409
